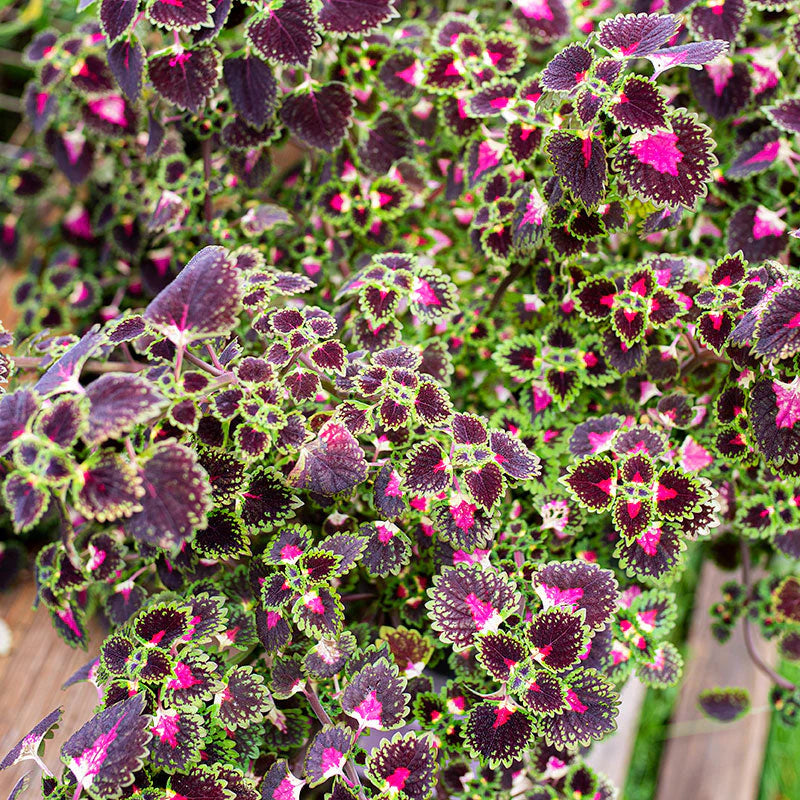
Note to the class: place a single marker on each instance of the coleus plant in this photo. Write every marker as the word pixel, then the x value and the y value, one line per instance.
pixel 421 422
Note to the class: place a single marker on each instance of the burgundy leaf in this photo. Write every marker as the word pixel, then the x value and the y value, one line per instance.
pixel 580 162
pixel 118 402
pixel 637 34
pixel 497 734
pixel 286 33
pixel 202 301
pixel 252 87
pixel 175 500
pixel 640 105
pixel 333 462
pixel 404 766
pixel 183 15
pixel 355 16
pixel 187 77
pixel 28 746
pixel 327 754
pixel 320 116
pixel 116 17
pixel 375 697
pixel 110 748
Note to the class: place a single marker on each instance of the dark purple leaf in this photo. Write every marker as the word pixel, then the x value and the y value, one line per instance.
pixel 669 168
pixel 319 117
pixel 725 704
pixel 388 549
pixel 180 15
pixel 557 638
pixel 187 78
pixel 722 89
pixel 567 69
pixel 499 653
pixel 29 745
pixel 786 114
pixel 327 754
pixel 637 34
pixel 578 584
pixel 375 697
pixel 202 301
pixel 405 766
pixel 16 409
pixel 355 16
pixel 640 105
pixel 25 499
pixel 107 487
pixel 468 600
pixel 719 21
pixel 333 462
pixel 757 154
pixel 580 162
pixel 388 141
pixel 497 734
pixel 286 34
pixel 110 748
pixel 72 152
pixel 175 501
pixel 252 87
pixel 244 700
pixel 178 737
pixel 116 17
pixel 428 472
pixel 691 54
pixel 118 402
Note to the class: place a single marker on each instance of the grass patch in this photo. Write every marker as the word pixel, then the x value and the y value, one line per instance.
pixel 780 775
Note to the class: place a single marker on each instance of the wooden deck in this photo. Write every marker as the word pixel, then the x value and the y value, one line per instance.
pixel 30 683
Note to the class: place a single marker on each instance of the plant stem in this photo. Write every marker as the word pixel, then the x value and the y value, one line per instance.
pixel 208 209
pixel 31 362
pixel 748 633
pixel 515 271
pixel 324 718
pixel 42 766
pixel 198 362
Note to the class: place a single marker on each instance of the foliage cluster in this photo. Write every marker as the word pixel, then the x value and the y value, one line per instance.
pixel 377 363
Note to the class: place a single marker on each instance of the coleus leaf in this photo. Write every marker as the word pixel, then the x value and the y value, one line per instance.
pixel 319 117
pixel 387 494
pixel 329 656
pixel 119 402
pixel 388 141
pixel 669 168
pixel 110 748
pixel 203 301
pixel 28 746
pixel 224 537
pixel 126 60
pixel 662 667
pixel 756 155
pixel 175 499
pixel 327 754
pixel 722 89
pixel 25 499
pixel 578 584
pixel 485 485
pixel 387 550
pixel 653 554
pixel 725 704
pixel 375 697
pixel 467 600
pixel 774 410
pixel 557 637
pixel 178 737
pixel 546 20
pixel 497 734
pixel 201 782
pixel 333 462
pixel 567 69
pixel 273 630
pixel 640 105
pixel 579 161
pixel 590 714
pixel 266 501
pixel 432 296
pixel 188 77
pixel 280 784
pixel 185 15
pixel 284 33
pixel 355 16
pixel 16 409
pixel 410 649
pixel 592 482
pixel 786 114
pixel 107 487
pixel 786 600
pixel 500 652
pixel 513 457
pixel 777 331
pixel 637 34
pixel 252 88
pixel 428 472
pixel 404 766
pixel 319 612
pixel 116 17
pixel 691 54
pixel 719 22
pixel 243 699
pixel 462 524
pixel 539 689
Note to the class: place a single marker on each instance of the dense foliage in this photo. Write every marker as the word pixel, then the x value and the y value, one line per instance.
pixel 377 363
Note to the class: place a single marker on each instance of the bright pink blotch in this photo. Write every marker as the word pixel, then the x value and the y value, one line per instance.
pixel 397 780
pixel 501 716
pixel 658 150
pixel 575 704
pixel 535 9
pixel 331 760
pixel 167 728
pixel 482 612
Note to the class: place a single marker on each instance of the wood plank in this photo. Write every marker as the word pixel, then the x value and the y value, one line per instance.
pixel 704 759
pixel 30 682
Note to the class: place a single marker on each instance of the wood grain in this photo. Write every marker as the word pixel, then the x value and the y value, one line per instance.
pixel 704 759
pixel 31 676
